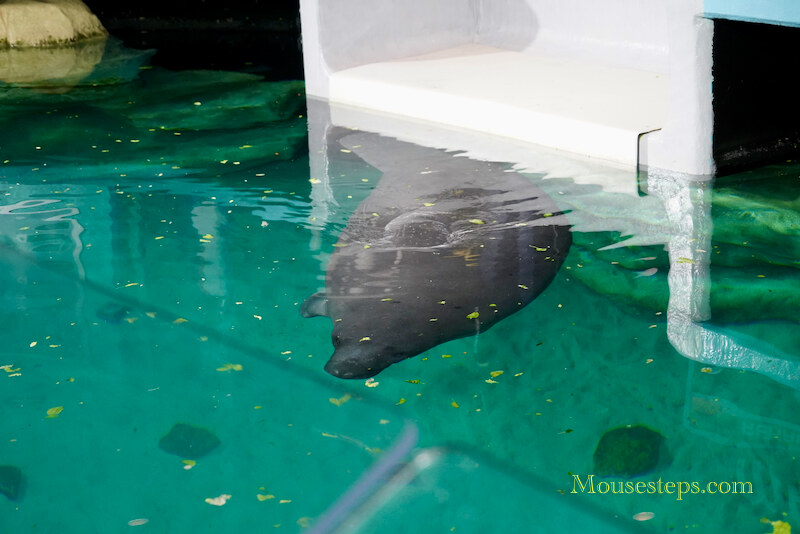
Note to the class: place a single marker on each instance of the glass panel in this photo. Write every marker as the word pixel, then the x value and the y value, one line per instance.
pixel 443 490
pixel 157 235
pixel 116 411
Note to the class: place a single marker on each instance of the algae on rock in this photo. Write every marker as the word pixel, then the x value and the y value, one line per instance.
pixel 628 451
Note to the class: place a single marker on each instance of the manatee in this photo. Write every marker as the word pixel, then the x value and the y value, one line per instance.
pixel 444 247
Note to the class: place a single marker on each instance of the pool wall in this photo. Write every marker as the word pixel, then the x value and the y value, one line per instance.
pixel 621 81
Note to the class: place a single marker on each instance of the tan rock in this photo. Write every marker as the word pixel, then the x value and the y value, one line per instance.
pixel 47 23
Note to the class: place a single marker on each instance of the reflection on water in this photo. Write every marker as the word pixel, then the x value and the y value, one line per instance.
pixel 52 233
pixel 688 205
pixel 674 307
pixel 443 247
pixel 49 68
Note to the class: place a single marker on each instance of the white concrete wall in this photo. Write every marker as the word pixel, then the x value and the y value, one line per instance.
pixel 355 33
pixel 668 37
pixel 684 143
pixel 346 33
pixel 629 33
pixel 509 24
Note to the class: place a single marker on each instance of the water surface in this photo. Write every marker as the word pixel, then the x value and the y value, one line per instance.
pixel 159 237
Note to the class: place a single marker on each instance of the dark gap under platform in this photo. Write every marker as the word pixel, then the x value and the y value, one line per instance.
pixel 756 109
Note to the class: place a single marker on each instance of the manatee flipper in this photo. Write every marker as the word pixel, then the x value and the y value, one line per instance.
pixel 315 306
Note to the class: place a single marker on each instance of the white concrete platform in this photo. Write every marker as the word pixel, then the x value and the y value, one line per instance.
pixel 566 103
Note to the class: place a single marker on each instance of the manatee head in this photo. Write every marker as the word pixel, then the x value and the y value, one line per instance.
pixel 364 356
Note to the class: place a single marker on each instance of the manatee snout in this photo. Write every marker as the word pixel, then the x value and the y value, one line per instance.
pixel 349 369
pixel 359 362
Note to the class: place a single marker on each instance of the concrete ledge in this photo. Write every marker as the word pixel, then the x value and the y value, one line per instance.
pixel 563 103
pixel 525 157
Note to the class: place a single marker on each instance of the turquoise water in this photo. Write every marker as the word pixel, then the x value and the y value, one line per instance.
pixel 158 237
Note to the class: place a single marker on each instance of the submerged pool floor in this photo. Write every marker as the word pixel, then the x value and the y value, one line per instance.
pixel 153 261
